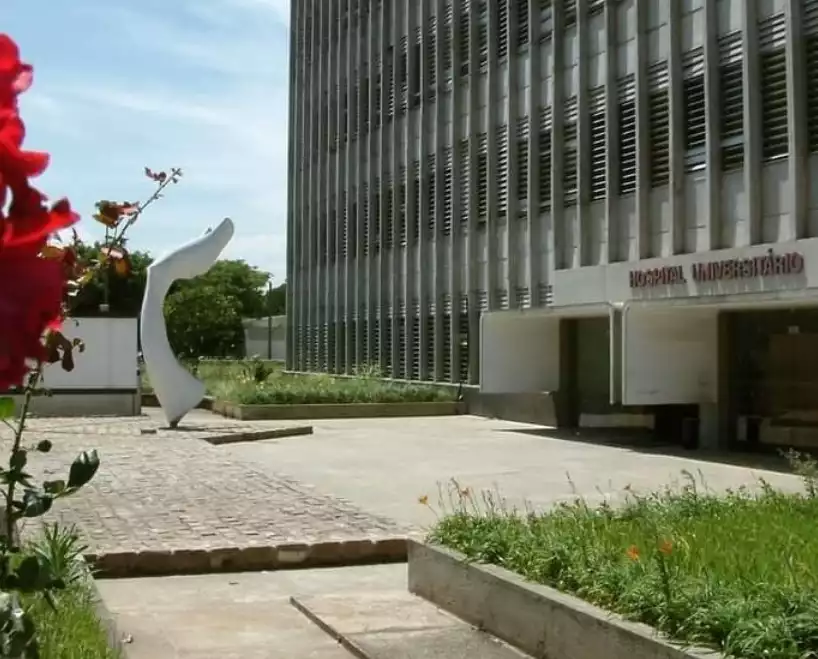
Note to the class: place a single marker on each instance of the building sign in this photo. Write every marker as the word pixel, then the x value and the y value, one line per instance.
pixel 751 267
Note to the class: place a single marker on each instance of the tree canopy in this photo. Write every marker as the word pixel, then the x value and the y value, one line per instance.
pixel 203 314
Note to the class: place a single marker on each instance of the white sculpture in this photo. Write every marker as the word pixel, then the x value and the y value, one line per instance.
pixel 176 389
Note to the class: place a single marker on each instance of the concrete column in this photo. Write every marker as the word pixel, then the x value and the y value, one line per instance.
pixel 536 264
pixel 677 131
pixel 493 80
pixel 412 251
pixel 712 74
pixel 473 270
pixel 312 189
pixel 425 247
pixel 458 280
pixel 344 294
pixel 511 240
pixel 583 139
pixel 293 200
pixel 555 229
pixel 753 147
pixel 350 175
pixel 325 282
pixel 612 255
pixel 643 214
pixel 796 106
pixel 439 253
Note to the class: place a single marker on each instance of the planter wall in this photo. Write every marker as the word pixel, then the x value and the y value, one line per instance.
pixel 336 411
pixel 538 620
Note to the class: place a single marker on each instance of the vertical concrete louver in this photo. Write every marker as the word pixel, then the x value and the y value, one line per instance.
pixel 447 156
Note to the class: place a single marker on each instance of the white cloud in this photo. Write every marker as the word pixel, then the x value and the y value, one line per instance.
pixel 224 122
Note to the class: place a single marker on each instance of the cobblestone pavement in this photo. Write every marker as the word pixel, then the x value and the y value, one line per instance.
pixel 169 492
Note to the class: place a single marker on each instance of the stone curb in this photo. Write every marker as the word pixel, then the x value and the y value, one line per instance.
pixel 342 639
pixel 336 411
pixel 538 620
pixel 259 435
pixel 340 553
pixel 115 637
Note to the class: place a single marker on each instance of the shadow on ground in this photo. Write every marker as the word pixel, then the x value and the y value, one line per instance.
pixel 646 442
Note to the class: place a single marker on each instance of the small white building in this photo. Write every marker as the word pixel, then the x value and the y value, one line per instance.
pixel 266 337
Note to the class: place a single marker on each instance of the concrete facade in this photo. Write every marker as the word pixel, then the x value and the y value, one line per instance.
pixel 458 166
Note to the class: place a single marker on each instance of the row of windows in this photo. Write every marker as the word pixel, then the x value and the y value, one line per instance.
pixel 347 117
pixel 347 346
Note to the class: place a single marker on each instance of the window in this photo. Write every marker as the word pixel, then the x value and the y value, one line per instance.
pixel 463 336
pixel 731 92
pixel 483 34
pixel 465 44
pixel 570 172
pixel 353 114
pixel 463 170
pixel 501 173
pixel 694 105
pixel 349 228
pixel 429 357
pixel 570 9
pixel 365 106
pixel 344 114
pixel 416 73
pixel 627 135
pixel 378 92
pixel 772 35
pixel 389 75
pixel 501 7
pixel 372 213
pixel 414 371
pixel 448 39
pixel 523 32
pixel 431 188
pixel 659 124
pixel 416 192
pixel 546 19
pixel 447 192
pixel 388 212
pixel 431 59
pixel 387 348
pixel 544 158
pixel 446 347
pixel 482 177
pixel 811 64
pixel 403 75
pixel 522 159
pixel 402 207
pixel 401 366
pixel 599 153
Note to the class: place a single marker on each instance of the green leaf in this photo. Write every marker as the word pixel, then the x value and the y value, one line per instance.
pixel 55 488
pixel 36 504
pixel 28 574
pixel 44 445
pixel 83 469
pixel 6 408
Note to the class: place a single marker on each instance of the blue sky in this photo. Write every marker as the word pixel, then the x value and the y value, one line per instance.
pixel 199 84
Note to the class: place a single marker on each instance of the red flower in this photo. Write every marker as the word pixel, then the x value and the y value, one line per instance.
pixel 32 287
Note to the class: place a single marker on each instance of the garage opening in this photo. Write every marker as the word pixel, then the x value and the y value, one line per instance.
pixel 772 377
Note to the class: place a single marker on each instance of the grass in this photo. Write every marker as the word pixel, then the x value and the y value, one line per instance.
pixel 735 572
pixel 71 630
pixel 254 382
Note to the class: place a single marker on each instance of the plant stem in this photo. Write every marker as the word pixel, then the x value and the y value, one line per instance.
pixel 33 379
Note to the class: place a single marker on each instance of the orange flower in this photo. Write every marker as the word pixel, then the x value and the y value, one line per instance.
pixel 633 553
pixel 423 500
pixel 666 547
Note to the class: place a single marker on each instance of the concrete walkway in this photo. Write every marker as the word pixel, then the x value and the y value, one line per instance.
pixel 384 465
pixel 381 467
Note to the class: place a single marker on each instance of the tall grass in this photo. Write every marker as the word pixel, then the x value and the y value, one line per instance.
pixel 736 572
pixel 248 383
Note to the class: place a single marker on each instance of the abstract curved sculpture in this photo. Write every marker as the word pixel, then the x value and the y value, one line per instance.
pixel 176 389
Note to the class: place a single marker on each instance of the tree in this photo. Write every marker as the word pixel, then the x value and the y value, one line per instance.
pixel 203 321
pixel 276 301
pixel 237 280
pixel 126 286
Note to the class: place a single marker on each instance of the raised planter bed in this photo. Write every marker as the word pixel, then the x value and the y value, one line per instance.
pixel 538 620
pixel 336 411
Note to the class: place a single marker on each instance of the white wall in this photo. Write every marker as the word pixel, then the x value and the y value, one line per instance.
pixel 256 331
pixel 670 356
pixel 109 360
pixel 519 353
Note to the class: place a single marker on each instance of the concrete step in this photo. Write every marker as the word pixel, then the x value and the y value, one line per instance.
pixel 399 625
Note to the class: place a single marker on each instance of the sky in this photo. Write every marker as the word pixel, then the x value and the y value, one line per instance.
pixel 198 84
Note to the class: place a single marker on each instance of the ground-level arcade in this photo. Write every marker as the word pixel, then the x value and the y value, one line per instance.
pixel 719 348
